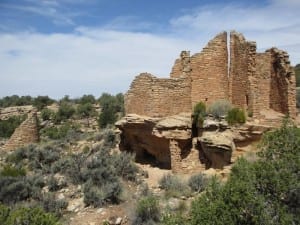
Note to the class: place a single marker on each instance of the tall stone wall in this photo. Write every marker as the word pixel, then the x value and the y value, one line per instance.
pixel 26 133
pixel 209 71
pixel 242 71
pixel 283 83
pixel 263 83
pixel 155 97
pixel 254 81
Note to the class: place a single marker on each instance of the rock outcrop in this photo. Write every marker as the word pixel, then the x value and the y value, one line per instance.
pixel 26 133
pixel 160 141
pixel 217 148
pixel 7 112
pixel 168 142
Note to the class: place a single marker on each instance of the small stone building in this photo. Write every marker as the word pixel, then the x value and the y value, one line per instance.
pixel 249 80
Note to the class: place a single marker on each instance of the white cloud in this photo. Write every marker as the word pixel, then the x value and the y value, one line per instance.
pixel 94 60
pixel 275 24
pixel 46 9
pixel 90 60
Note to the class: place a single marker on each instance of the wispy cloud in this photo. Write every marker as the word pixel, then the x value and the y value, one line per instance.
pixel 89 60
pixel 274 24
pixel 47 9
pixel 106 58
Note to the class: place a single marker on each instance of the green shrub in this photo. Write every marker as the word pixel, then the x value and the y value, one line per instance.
pixel 15 100
pixel 66 131
pixel 263 192
pixel 4 214
pixel 199 114
pixel 125 167
pixel 32 216
pixel 235 116
pixel 147 210
pixel 102 184
pixel 71 167
pixel 99 195
pixel 41 102
pixel 86 99
pixel 14 189
pixel 197 182
pixel 173 219
pixel 46 114
pixel 12 171
pixel 7 127
pixel 65 111
pixel 52 205
pixel 111 107
pixel 173 186
pixel 219 108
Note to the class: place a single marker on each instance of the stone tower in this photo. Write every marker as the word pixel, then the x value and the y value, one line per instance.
pixel 26 133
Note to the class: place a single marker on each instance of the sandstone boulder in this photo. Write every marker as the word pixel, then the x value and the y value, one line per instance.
pixel 217 148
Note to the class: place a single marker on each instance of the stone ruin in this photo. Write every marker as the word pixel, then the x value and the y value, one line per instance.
pixel 25 134
pixel 254 82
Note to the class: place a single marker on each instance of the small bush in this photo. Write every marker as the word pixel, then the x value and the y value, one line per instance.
pixel 125 166
pixel 147 210
pixel 57 132
pixel 173 186
pixel 11 171
pixel 199 114
pixel 219 108
pixel 173 219
pixel 46 114
pixel 197 182
pixel 235 116
pixel 100 195
pixel 14 189
pixel 50 204
pixel 7 127
pixel 4 214
pixel 32 216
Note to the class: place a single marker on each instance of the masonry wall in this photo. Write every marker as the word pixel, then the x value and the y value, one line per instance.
pixel 263 82
pixel 182 67
pixel 283 84
pixel 156 97
pixel 26 133
pixel 209 71
pixel 242 71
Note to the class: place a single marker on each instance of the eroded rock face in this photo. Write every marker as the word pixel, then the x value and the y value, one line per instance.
pixel 160 140
pixel 169 142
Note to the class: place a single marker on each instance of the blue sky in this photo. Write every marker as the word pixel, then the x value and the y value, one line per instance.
pixel 76 47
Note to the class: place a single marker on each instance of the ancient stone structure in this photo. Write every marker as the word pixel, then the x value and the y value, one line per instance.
pixel 167 142
pixel 259 83
pixel 26 133
pixel 249 80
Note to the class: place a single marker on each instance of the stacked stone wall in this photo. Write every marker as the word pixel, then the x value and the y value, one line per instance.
pixel 158 97
pixel 182 67
pixel 242 71
pixel 283 83
pixel 263 81
pixel 26 133
pixel 209 72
